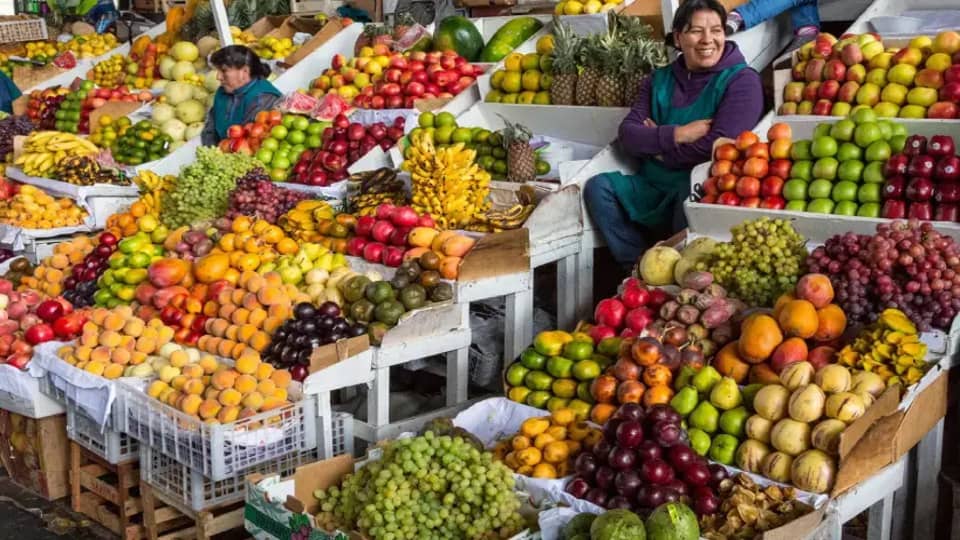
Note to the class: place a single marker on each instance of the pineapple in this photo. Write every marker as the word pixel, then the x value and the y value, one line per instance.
pixel 566 46
pixel 586 93
pixel 632 73
pixel 521 160
pixel 610 62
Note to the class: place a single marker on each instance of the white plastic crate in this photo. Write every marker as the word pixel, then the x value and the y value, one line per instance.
pixel 196 492
pixel 20 393
pixel 113 446
pixel 218 451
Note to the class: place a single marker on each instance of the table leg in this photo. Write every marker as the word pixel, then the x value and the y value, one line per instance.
pixel 584 261
pixel 880 519
pixel 458 374
pixel 378 399
pixel 519 324
pixel 567 292
pixel 929 453
pixel 324 425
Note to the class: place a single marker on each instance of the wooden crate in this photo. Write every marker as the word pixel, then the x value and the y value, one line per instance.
pixel 163 520
pixel 106 493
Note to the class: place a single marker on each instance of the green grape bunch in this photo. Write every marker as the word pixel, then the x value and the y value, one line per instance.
pixel 425 487
pixel 202 190
pixel 763 260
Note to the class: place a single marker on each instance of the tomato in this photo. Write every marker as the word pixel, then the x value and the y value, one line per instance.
pixel 262 118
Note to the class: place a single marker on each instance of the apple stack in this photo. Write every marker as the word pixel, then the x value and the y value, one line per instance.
pixel 923 181
pixel 749 172
pixel 841 170
pixel 831 77
pixel 344 143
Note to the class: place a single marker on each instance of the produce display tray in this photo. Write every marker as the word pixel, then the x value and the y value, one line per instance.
pixel 20 393
pixel 71 190
pixel 111 445
pixel 217 451
pixel 89 394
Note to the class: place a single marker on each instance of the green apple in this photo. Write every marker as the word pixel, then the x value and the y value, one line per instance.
pixel 897 142
pixel 795 190
pixel 796 206
pixel 819 189
pixel 870 209
pixel 878 151
pixel 824 146
pixel 849 151
pixel 886 127
pixel 822 130
pixel 820 206
pixel 850 170
pixel 866 133
pixel 866 114
pixel 802 169
pixel 800 150
pixel 516 373
pixel 869 193
pixel 845 208
pixel 733 421
pixel 843 130
pixel 825 168
pixel 723 448
pixel 873 172
pixel 898 129
pixel 844 191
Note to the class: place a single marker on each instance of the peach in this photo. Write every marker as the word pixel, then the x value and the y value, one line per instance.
pixel 266 387
pixel 222 380
pixel 229 396
pixel 253 400
pixel 281 378
pixel 120 356
pixel 155 388
pixel 816 289
pixel 193 305
pixel 832 321
pixel 228 414
pixel 209 409
pixel 209 364
pixel 791 350
pixel 179 382
pixel 271 295
pixel 245 384
pixel 947 42
pixel 179 358
pixel 100 354
pixel 194 386
pixel 232 332
pixel 191 404
pixel 192 370
pixel 109 338
pixel 264 370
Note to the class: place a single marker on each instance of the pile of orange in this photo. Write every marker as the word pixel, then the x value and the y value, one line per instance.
pixel 125 224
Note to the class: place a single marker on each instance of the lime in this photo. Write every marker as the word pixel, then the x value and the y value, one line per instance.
pixel 480 135
pixel 580 408
pixel 542 167
pixel 499 152
pixel 296 137
pixel 538 399
pixel 444 134
pixel 578 350
pixel 486 162
pixel 509 98
pixel 555 403
pixel 559 366
pixel 516 373
pixel 530 61
pixel 538 380
pixel 500 166
pixel 426 120
pixel 288 120
pixel 586 370
pixel 493 96
pixel 138 260
pixel 301 123
pixel 279 132
pixel 532 359
pixel 583 391
pixel 462 135
pixel 497 78
pixel 446 119
pixel 316 128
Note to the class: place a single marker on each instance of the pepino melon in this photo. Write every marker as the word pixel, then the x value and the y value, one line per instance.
pixel 673 521
pixel 458 34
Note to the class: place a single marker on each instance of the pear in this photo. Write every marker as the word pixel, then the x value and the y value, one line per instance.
pixel 726 394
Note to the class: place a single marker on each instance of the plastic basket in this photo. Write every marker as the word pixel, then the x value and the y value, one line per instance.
pixel 341 435
pixel 15 29
pixel 218 451
pixel 61 395
pixel 111 445
pixel 21 394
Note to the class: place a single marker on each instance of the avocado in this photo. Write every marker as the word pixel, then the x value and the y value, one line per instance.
pixel 379 292
pixel 442 292
pixel 413 296
pixel 362 310
pixel 430 278
pixel 354 288
pixel 400 280
pixel 412 269
pixel 375 331
pixel 430 260
pixel 389 312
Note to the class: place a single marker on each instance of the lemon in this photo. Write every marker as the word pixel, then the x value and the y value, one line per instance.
pixel 512 82
pixel 542 98
pixel 497 78
pixel 513 62
pixel 445 119
pixel 527 97
pixel 493 96
pixel 545 45
pixel 592 6
pixel 573 7
pixel 531 80
pixel 509 98
pixel 530 61
pixel 560 9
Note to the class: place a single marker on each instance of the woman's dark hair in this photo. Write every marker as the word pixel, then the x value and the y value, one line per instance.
pixel 237 56
pixel 684 14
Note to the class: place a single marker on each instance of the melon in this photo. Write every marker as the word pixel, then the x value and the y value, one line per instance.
pixel 185 51
pixel 207 45
pixel 162 112
pixel 166 67
pixel 190 111
pixel 194 130
pixel 458 34
pixel 182 70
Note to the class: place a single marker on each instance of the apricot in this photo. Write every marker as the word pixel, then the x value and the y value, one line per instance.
pixel 224 347
pixel 236 296
pixel 281 378
pixel 229 396
pixel 280 311
pixel 82 352
pixel 179 382
pixel 271 295
pixel 209 409
pixel 114 322
pixel 245 276
pixel 113 371
pixel 209 364
pixel 240 316
pixel 155 388
pixel 248 364
pixel 164 335
pixel 89 339
pixel 194 386
pixel 109 338
pixel 816 289
pixel 100 355
pixel 120 356
pixel 266 387
pixel 192 370
pixel 271 403
pixel 232 332
pixel 245 384
pixel 247 412
pixel 238 350
pixel 264 371
pixel 133 327
pixel 210 308
pixel 146 345
pixel 217 327
pixel 280 393
pixel 222 380
pixel 253 400
pixel 602 412
pixel 271 324
pixel 212 345
pixel 250 301
pixel 165 394
pixel 137 358
pixel 174 399
pixel 831 323
pixel 225 297
pixel 228 413
pixel 151 333
pixel 256 317
pixel 128 342
pixel 191 404
pixel 211 393
pixel 254 284
pixel 179 358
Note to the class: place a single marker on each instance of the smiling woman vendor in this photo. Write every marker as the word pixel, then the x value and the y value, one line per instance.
pixel 244 91
pixel 682 108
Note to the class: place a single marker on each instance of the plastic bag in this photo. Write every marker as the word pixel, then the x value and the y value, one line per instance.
pixel 487 320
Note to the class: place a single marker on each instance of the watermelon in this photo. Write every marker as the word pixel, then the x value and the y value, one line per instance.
pixel 458 34
pixel 508 37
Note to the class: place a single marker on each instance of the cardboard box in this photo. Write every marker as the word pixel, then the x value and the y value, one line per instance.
pixel 650 12
pixel 266 25
pixel 374 8
pixel 35 453
pixel 320 36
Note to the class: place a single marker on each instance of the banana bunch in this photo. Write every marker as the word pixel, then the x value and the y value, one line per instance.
pixel 370 189
pixel 43 150
pixel 303 220
pixel 891 348
pixel 446 182
pixel 153 187
pixel 502 220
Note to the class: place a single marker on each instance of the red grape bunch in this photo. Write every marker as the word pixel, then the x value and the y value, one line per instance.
pixel 257 196
pixel 905 265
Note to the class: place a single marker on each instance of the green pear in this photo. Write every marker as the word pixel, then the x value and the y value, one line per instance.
pixel 684 376
pixel 726 394
pixel 704 380
pixel 749 392
pixel 685 400
pixel 704 417
pixel 732 422
pixel 699 441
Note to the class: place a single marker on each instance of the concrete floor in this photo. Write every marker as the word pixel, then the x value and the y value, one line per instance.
pixel 24 515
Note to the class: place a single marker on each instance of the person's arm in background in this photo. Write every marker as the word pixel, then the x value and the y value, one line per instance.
pixel 208 137
pixel 264 102
pixel 739 110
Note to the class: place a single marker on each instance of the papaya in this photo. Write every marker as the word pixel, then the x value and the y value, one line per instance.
pixel 509 37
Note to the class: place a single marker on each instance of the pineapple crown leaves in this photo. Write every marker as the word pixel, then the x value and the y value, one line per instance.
pixel 566 47
pixel 374 30
pixel 514 132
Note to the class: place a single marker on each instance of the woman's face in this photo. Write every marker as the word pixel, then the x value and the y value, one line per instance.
pixel 232 78
pixel 702 40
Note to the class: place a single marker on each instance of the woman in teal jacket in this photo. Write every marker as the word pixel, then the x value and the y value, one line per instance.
pixel 244 91
pixel 8 93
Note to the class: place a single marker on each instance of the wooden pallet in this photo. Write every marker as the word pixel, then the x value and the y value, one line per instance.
pixel 107 494
pixel 163 520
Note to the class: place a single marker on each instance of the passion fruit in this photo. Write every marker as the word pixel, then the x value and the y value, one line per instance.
pixel 430 261
pixel 430 279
